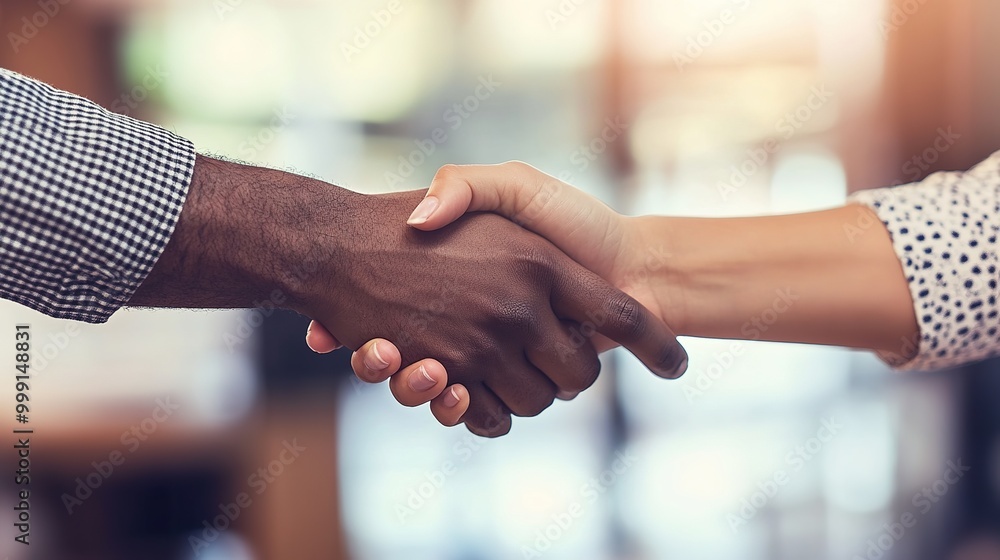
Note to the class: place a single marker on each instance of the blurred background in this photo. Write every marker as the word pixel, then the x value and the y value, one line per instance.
pixel 218 435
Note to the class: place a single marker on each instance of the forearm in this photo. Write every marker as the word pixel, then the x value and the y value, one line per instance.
pixel 795 278
pixel 247 235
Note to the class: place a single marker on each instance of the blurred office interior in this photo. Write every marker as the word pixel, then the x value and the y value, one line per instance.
pixel 655 107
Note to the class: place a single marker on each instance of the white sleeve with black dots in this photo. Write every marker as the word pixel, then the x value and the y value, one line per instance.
pixel 944 230
pixel 88 200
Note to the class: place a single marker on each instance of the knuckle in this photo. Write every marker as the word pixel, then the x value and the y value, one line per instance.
pixel 628 316
pixel 533 399
pixel 447 171
pixel 463 369
pixel 549 398
pixel 516 315
pixel 486 433
pixel 516 166
pixel 579 364
pixel 454 360
pixel 588 374
pixel 540 401
pixel 535 260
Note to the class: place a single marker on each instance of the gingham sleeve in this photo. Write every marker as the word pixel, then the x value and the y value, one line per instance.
pixel 944 230
pixel 88 200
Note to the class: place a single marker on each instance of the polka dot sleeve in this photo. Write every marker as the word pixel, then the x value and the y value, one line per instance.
pixel 944 230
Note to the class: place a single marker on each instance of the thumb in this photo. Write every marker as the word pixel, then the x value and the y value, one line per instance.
pixel 457 189
pixel 580 225
pixel 319 339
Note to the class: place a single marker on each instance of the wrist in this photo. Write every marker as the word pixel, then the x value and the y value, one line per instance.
pixel 324 230
pixel 663 265
pixel 245 236
pixel 340 241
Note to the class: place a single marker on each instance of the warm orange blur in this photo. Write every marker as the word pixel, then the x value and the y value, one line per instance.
pixel 707 107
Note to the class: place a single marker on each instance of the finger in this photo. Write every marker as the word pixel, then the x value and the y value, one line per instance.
pixel 572 219
pixel 419 383
pixel 525 389
pixel 319 340
pixel 584 297
pixel 487 416
pixel 564 353
pixel 376 361
pixel 457 189
pixel 449 406
pixel 566 395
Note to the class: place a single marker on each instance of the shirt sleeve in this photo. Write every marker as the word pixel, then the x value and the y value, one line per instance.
pixel 944 230
pixel 88 200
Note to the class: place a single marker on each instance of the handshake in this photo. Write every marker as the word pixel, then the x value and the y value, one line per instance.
pixel 493 293
pixel 485 318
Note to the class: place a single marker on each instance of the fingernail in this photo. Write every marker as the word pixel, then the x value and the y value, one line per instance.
pixel 420 380
pixel 450 399
pixel 374 361
pixel 423 211
pixel 681 368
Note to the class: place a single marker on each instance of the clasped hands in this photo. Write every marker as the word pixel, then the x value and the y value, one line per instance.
pixel 504 320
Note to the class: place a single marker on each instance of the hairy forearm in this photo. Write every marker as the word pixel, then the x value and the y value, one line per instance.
pixel 795 278
pixel 246 235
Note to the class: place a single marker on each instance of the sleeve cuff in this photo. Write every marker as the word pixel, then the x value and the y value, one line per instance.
pixel 90 200
pixel 944 231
